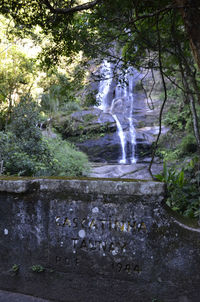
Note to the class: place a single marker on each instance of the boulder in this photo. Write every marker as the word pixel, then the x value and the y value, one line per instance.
pixel 108 148
pixel 92 121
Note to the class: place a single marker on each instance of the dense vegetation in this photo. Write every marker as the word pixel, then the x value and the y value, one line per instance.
pixel 29 97
pixel 26 152
pixel 159 36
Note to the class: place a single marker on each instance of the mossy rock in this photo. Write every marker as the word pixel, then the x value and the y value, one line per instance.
pixel 92 123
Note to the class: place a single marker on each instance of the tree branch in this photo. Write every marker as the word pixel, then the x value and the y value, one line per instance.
pixel 165 97
pixel 69 10
pixel 148 95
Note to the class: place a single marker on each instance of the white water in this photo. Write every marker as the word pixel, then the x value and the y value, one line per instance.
pixel 104 87
pixel 122 139
pixel 133 140
pixel 122 92
pixel 131 124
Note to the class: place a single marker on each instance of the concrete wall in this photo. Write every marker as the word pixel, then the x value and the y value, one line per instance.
pixel 95 240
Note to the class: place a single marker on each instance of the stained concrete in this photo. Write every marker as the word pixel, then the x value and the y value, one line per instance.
pixel 16 297
pixel 80 240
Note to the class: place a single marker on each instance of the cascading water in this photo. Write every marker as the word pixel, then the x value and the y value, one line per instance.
pixel 110 96
pixel 133 140
pixel 122 139
pixel 131 84
pixel 105 83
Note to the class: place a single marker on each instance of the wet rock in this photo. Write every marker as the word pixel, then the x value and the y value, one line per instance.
pixel 131 171
pixel 107 148
pixel 86 122
pixel 94 131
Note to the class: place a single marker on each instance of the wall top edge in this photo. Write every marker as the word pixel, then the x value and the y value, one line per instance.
pixel 82 185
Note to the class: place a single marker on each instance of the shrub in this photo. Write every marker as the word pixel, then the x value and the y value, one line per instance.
pixel 183 191
pixel 26 152
pixel 67 160
pixel 188 144
pixel 70 107
pixel 59 159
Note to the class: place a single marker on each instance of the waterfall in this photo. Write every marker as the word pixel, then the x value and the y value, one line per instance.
pixel 133 138
pixel 105 83
pixel 131 84
pixel 122 139
pixel 112 94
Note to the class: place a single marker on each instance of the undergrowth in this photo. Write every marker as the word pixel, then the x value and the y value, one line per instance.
pixel 183 188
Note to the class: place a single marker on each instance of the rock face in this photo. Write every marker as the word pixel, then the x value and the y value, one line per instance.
pixel 132 171
pixel 85 124
pixel 95 131
pixel 73 240
pixel 108 148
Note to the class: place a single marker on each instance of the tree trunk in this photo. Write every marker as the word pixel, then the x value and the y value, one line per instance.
pixel 195 121
pixel 190 11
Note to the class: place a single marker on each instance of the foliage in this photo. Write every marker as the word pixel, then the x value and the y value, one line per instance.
pixel 183 188
pixel 90 99
pixel 93 32
pixel 20 75
pixel 18 158
pixel 23 126
pixel 176 145
pixel 70 107
pixel 180 141
pixel 17 71
pixel 178 113
pixel 177 120
pixel 24 151
pixel 58 92
pixel 188 145
pixel 37 268
pixel 15 268
pixel 133 24
pixel 63 158
pixel 180 147
pixel 128 33
pixel 67 160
